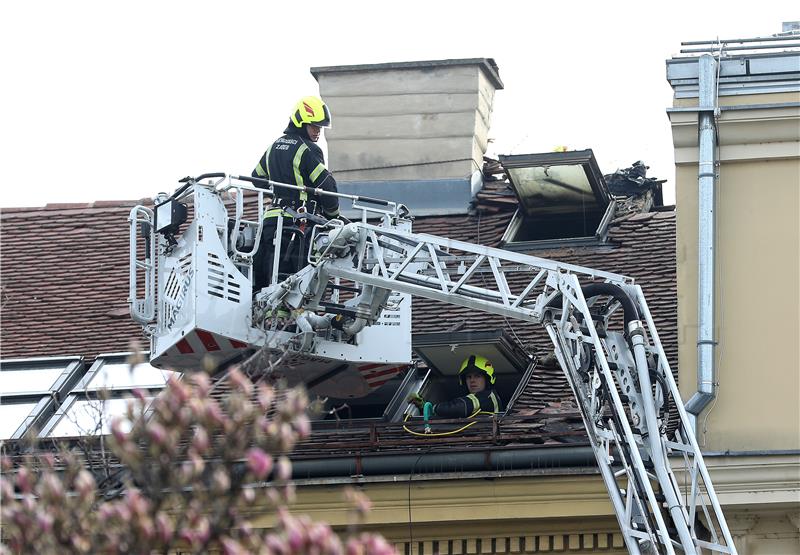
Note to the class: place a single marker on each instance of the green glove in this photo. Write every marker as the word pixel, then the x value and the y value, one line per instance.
pixel 416 400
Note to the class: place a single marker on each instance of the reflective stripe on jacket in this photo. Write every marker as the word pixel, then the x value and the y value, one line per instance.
pixel 296 160
pixel 462 407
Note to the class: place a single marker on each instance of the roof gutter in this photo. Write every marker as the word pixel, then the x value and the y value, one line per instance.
pixel 485 460
pixel 707 111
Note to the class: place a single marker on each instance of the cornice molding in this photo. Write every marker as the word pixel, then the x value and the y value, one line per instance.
pixel 741 482
pixel 746 133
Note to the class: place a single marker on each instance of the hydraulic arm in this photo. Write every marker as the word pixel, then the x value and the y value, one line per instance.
pixel 605 341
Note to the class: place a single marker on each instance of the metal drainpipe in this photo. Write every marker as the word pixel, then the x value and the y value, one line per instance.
pixel 706 371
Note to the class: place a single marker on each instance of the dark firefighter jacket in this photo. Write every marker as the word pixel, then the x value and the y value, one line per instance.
pixel 462 407
pixel 296 160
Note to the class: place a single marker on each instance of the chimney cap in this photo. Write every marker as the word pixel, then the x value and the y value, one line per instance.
pixel 488 66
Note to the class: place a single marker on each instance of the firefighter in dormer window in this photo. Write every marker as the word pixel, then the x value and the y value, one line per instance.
pixel 295 159
pixel 477 376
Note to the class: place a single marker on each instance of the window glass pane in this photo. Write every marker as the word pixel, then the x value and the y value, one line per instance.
pixel 553 188
pixel 92 417
pixel 562 195
pixel 119 375
pixel 11 417
pixel 15 382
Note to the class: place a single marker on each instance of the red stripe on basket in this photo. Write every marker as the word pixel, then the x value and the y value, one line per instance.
pixel 364 367
pixel 376 374
pixel 208 340
pixel 184 347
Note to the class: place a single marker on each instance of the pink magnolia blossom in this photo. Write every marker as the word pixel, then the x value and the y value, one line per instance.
pixel 259 463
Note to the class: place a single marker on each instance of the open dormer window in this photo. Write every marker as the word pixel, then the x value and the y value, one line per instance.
pixel 436 377
pixel 442 354
pixel 562 196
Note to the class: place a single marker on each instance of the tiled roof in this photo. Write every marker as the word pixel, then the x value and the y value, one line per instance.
pixel 64 281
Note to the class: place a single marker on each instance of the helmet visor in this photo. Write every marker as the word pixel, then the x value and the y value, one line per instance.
pixel 326 118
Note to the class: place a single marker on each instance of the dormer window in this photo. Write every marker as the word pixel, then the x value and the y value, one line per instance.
pixel 562 197
pixel 436 378
pixel 443 353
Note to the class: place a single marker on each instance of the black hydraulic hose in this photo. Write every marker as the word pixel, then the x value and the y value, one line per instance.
pixel 616 292
pixel 189 181
pixel 208 175
pixel 666 406
pixel 591 290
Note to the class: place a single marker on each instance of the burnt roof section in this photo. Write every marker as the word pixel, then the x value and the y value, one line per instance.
pixel 488 65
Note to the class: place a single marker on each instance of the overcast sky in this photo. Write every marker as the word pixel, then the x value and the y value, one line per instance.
pixel 108 100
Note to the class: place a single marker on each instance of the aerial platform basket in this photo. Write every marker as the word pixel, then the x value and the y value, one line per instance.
pixel 191 268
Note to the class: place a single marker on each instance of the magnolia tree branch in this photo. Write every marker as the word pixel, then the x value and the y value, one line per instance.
pixel 196 462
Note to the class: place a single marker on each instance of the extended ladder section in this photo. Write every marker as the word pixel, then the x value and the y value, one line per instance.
pixel 605 341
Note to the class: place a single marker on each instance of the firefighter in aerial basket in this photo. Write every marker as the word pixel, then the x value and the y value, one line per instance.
pixel 296 159
pixel 477 376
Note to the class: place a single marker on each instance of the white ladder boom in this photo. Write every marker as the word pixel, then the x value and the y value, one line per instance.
pixel 621 379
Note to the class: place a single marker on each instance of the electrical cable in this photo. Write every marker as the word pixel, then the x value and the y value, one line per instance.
pixel 410 522
pixel 410 164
